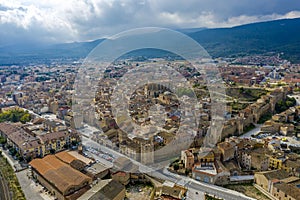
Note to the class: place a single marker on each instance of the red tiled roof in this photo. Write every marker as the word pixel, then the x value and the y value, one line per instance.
pixel 61 175
pixel 65 157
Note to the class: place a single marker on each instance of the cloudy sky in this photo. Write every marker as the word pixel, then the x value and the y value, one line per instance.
pixel 55 21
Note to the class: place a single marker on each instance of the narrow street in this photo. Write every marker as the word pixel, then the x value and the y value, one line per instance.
pixel 254 131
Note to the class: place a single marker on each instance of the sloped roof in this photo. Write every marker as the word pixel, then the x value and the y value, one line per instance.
pixel 104 190
pixel 38 120
pixel 65 157
pixel 109 191
pixel 30 144
pixel 49 162
pixel 288 189
pixel 276 174
pixel 53 135
pixel 292 164
pixel 290 179
pixel 8 128
pixel 226 145
pixel 61 175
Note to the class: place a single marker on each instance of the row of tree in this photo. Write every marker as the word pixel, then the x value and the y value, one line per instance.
pixel 15 115
pixel 283 105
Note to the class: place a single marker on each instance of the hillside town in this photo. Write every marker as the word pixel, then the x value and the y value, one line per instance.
pixel 59 153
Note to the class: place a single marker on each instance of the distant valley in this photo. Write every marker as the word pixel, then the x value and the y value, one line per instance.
pixel 273 37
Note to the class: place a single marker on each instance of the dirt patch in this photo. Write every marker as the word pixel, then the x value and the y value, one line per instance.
pixel 249 190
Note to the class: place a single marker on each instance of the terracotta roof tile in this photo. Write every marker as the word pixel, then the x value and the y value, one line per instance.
pixel 61 175
pixel 65 157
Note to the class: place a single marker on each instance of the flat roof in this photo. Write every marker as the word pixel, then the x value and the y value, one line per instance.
pixel 169 184
pixel 242 178
pixel 105 189
pixel 80 157
pixel 209 169
pixel 96 168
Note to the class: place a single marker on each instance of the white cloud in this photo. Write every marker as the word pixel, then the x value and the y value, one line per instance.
pixel 77 20
pixel 243 19
pixel 291 15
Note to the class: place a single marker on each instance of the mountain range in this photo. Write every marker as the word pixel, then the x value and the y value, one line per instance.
pixel 279 36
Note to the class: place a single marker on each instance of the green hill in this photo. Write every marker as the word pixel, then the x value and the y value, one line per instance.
pixel 280 36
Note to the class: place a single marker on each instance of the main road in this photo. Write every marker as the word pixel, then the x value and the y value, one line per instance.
pixel 195 188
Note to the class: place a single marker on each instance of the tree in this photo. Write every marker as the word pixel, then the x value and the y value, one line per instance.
pixel 242 89
pixel 187 171
pixel 284 105
pixel 13 151
pixel 248 91
pixel 25 118
pixel 74 143
pixel 52 151
pixel 176 166
pixel 28 159
pixel 14 117
pixel 2 140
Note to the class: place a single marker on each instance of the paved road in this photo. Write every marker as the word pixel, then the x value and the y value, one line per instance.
pixel 13 163
pixel 195 194
pixel 192 185
pixel 198 187
pixel 254 131
pixel 297 97
pixel 30 189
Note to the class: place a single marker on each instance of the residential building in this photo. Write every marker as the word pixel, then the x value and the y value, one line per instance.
pixel 267 178
pixel 30 145
pixel 286 191
pixel 187 158
pixel 57 141
pixel 228 150
pixel 292 166
pixel 171 191
pixel 206 157
pixel 276 160
pixel 121 177
pixel 255 159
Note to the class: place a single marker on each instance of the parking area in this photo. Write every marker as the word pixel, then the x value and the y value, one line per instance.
pixel 99 156
pixel 32 190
